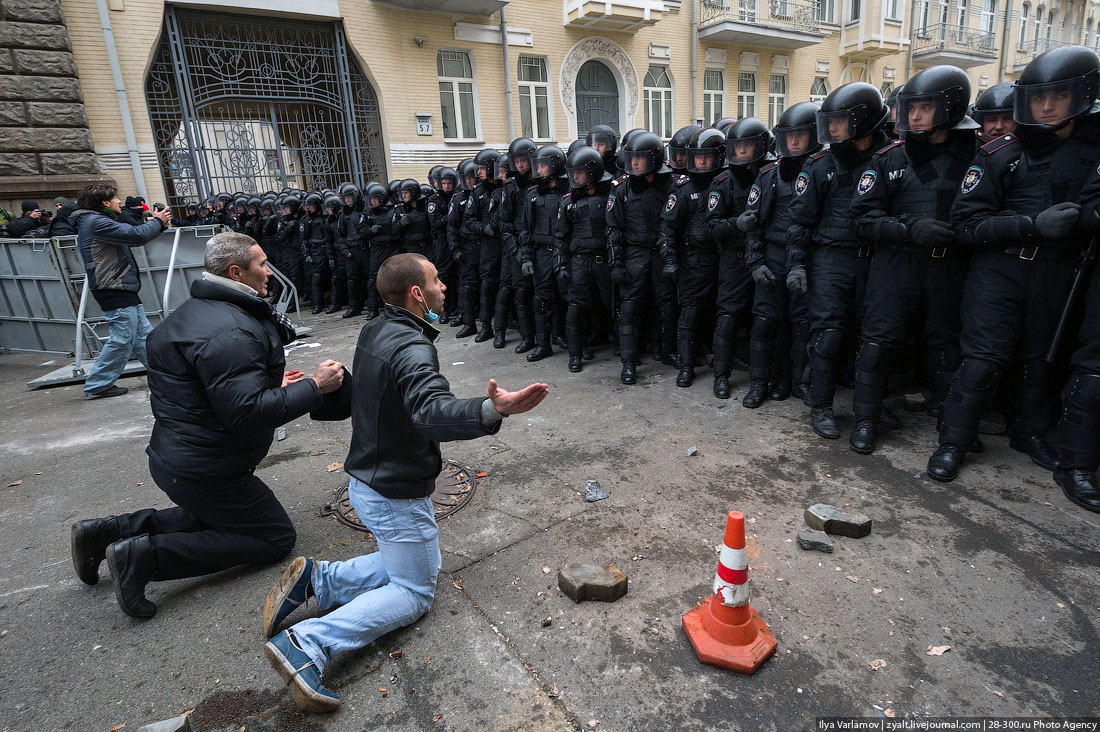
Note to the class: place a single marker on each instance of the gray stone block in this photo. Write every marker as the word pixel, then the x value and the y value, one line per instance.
pixel 39 88
pixel 19 164
pixel 45 63
pixel 6 62
pixel 61 114
pixel 45 139
pixel 33 11
pixel 915 402
pixel 13 114
pixel 590 582
pixel 176 724
pixel 832 520
pixel 34 35
pixel 814 539
pixel 69 163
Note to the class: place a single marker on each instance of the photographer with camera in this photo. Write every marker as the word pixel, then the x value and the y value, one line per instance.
pixel 30 220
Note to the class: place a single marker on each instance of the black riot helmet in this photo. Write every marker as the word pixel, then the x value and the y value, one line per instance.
pixel 502 168
pixel 585 168
pixel 448 174
pixel 373 192
pixel 892 99
pixel 266 205
pixel 645 154
pixel 394 189
pixel 350 190
pixel 521 155
pixel 796 131
pixel 677 148
pixel 620 157
pixel 723 124
pixel 433 176
pixel 575 146
pixel 292 204
pixel 935 99
pixel 194 208
pixel 549 163
pixel 748 140
pixel 602 136
pixel 412 187
pixel 851 111
pixel 312 199
pixel 486 163
pixel 253 203
pixel 706 151
pixel 426 191
pixel 467 174
pixel 994 105
pixel 333 204
pixel 240 202
pixel 225 199
pixel 1056 87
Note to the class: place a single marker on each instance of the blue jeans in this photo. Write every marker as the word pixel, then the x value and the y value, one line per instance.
pixel 128 330
pixel 378 592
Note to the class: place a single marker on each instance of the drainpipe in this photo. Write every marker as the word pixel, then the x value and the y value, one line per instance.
pixel 123 105
pixel 507 75
pixel 1004 44
pixel 912 36
pixel 694 62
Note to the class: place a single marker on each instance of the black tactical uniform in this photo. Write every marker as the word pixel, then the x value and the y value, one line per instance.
pixel 477 226
pixel 411 222
pixel 438 205
pixel 465 250
pixel 502 308
pixel 313 232
pixel 288 234
pixel 353 246
pixel 377 227
pixel 335 248
pixel 536 247
pixel 521 154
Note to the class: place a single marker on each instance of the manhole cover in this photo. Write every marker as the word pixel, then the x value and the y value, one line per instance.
pixel 454 488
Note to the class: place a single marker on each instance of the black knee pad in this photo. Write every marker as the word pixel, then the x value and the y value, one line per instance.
pixel 826 343
pixel 688 315
pixel 725 326
pixel 763 329
pixel 977 374
pixel 873 358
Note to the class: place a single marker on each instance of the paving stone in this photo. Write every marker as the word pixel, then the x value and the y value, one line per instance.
pixel 814 539
pixel 915 402
pixel 833 520
pixel 176 724
pixel 590 582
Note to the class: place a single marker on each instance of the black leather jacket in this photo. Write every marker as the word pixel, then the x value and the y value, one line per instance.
pixel 403 407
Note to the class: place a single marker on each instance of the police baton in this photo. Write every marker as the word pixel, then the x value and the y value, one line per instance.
pixel 1079 278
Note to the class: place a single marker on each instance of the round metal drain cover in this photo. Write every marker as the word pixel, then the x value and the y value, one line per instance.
pixel 454 488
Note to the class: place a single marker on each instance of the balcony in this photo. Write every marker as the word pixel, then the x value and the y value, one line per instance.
pixel 948 44
pixel 622 16
pixel 451 7
pixel 1027 51
pixel 775 24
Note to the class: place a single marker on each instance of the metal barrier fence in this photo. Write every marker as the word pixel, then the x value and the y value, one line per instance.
pixel 46 307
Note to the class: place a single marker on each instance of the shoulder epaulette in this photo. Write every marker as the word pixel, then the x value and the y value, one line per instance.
pixel 769 168
pixel 683 180
pixel 999 144
pixel 891 146
pixel 531 187
pixel 819 155
pixel 566 195
pixel 724 175
pixel 620 180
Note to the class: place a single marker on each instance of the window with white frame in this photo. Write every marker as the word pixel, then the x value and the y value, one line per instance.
pixel 1025 11
pixel 893 9
pixel 856 7
pixel 922 18
pixel 534 98
pixel 886 88
pixel 657 101
pixel 1086 36
pixel 746 94
pixel 457 95
pixel 1047 26
pixel 777 97
pixel 989 15
pixel 1037 29
pixel 819 90
pixel 960 16
pixel 714 95
pixel 825 11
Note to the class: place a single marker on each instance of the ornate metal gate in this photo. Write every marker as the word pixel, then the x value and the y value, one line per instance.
pixel 251 104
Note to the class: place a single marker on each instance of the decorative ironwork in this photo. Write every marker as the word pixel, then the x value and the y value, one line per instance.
pixel 246 103
pixel 454 488
pixel 789 15
pixel 944 37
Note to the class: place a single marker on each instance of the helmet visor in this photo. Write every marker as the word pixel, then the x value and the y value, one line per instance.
pixel 643 162
pixel 602 142
pixel 704 159
pixel 838 126
pixel 521 162
pixel 1052 103
pixel 921 113
pixel 579 176
pixel 793 142
pixel 677 157
pixel 745 151
pixel 500 169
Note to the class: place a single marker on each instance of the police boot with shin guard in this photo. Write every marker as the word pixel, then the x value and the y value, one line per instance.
pixel 761 343
pixel 685 344
pixel 543 313
pixel 1080 455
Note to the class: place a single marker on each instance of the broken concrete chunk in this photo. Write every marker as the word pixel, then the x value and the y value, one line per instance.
pixel 915 402
pixel 590 582
pixel 833 520
pixel 593 492
pixel 176 724
pixel 814 539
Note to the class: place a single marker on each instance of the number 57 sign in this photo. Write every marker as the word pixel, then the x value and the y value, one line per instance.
pixel 423 124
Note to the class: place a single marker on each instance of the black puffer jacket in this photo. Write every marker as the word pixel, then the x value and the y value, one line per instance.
pixel 215 369
pixel 403 408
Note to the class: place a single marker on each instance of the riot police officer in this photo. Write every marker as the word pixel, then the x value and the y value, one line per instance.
pixel 465 250
pixel 1018 208
pixel 502 310
pixel 520 288
pixel 604 140
pixel 477 226
pixel 411 221
pixel 850 122
pixel 993 111
pixel 536 246
pixel 377 226
pixel 778 309
pixel 289 237
pixel 903 204
pixel 355 249
pixel 677 155
pixel 335 247
pixel 313 232
pixel 438 205
pixel 633 225
pixel 581 264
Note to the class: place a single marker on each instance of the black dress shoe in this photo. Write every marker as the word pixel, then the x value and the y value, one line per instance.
pixel 758 391
pixel 863 437
pixel 668 359
pixel 575 364
pixel 824 422
pixel 738 364
pixel 890 419
pixel 444 318
pixel 976 446
pixel 499 340
pixel 352 312
pixel 780 390
pixel 628 375
pixel 133 562
pixel 1080 486
pixel 801 391
pixel 560 342
pixel 540 353
pixel 466 331
pixel 686 376
pixel 89 541
pixel 316 309
pixel 456 322
pixel 722 386
pixel 587 354
pixel 332 309
pixel 1038 449
pixel 484 334
pixel 945 462
pixel 524 345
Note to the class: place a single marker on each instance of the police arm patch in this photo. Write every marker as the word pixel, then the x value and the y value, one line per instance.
pixel 611 202
pixel 801 183
pixel 972 178
pixel 671 202
pixel 866 182
pixel 712 200
pixel 754 194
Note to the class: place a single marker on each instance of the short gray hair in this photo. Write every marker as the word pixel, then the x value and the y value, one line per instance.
pixel 226 249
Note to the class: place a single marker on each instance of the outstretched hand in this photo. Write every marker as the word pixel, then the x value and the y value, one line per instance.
pixel 516 402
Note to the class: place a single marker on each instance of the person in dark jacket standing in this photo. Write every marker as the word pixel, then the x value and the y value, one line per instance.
pixel 113 280
pixel 218 391
pixel 30 220
pixel 401 410
pixel 133 211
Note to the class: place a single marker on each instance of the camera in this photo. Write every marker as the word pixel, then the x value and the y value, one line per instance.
pixel 158 206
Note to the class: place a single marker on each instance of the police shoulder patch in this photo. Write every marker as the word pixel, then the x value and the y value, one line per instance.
pixel 611 202
pixel 866 182
pixel 972 178
pixel 671 202
pixel 712 200
pixel 754 194
pixel 801 183
pixel 431 207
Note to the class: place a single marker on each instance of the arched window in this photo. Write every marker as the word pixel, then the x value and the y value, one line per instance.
pixel 1086 37
pixel 989 15
pixel 819 90
pixel 657 101
pixel 597 97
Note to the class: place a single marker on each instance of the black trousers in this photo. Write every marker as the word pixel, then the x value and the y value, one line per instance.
pixel 339 284
pixel 775 302
pixel 217 523
pixel 358 267
pixel 378 253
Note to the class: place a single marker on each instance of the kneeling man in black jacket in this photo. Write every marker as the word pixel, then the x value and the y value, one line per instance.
pixel 218 391
pixel 401 409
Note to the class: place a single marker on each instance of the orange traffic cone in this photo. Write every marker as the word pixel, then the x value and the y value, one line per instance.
pixel 724 629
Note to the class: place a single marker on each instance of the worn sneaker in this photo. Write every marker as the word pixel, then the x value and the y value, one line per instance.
pixel 290 592
pixel 299 670
pixel 111 391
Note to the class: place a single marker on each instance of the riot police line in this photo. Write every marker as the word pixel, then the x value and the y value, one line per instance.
pixel 850 229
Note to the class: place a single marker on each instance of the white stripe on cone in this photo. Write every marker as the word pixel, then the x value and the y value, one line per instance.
pixel 733 558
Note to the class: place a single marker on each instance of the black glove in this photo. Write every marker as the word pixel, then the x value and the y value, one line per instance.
pixel 796 278
pixel 762 275
pixel 487 230
pixel 670 269
pixel 332 264
pixel 456 255
pixel 405 220
pixel 376 229
pixel 723 230
pixel 527 269
pixel 309 259
pixel 618 274
pixel 561 271
pixel 747 221
pixel 931 233
pixel 1058 220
